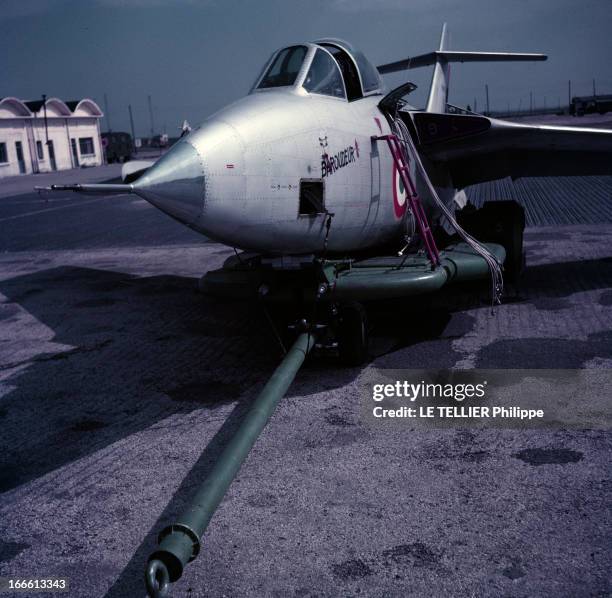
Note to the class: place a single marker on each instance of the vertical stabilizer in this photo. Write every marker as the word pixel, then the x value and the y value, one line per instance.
pixel 438 92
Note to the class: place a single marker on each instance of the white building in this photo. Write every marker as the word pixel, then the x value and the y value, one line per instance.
pixel 68 137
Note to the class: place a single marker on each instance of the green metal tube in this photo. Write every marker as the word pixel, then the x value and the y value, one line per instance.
pixel 179 543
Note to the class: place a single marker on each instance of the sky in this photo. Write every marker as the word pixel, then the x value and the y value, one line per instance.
pixel 195 56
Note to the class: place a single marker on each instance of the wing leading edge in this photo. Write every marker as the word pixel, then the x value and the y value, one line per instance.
pixel 477 149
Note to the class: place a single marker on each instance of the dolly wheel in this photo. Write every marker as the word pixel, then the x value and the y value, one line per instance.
pixel 515 258
pixel 353 334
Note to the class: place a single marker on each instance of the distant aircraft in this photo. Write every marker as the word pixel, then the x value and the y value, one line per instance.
pixel 185 128
pixel 339 193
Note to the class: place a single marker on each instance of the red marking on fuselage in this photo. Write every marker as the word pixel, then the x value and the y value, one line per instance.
pixel 399 194
pixel 229 166
pixel 377 120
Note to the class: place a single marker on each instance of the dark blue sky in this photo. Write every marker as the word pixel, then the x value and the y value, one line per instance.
pixel 193 57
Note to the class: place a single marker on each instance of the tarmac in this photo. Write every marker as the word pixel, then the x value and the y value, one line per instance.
pixel 120 384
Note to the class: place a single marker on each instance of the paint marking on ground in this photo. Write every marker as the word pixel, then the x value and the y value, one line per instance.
pixel 51 209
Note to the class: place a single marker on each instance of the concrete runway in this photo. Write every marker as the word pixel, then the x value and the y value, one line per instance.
pixel 120 384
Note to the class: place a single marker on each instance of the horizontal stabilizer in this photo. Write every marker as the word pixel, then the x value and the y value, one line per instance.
pixel 455 56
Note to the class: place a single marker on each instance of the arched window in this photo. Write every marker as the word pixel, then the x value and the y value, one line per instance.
pixel 349 71
pixel 284 68
pixel 324 76
pixel 369 74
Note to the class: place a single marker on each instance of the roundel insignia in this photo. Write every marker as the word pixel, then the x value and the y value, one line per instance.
pixel 400 194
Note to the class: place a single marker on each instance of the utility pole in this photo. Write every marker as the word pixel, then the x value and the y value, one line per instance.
pixel 44 98
pixel 569 94
pixel 108 125
pixel 487 93
pixel 151 117
pixel 132 127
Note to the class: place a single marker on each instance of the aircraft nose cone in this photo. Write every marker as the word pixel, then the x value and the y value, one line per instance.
pixel 175 183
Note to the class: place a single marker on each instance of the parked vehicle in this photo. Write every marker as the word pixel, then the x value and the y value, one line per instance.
pixel 591 104
pixel 118 147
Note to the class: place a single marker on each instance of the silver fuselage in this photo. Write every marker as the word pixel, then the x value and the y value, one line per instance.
pixel 236 178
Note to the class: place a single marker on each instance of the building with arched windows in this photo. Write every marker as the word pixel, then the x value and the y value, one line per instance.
pixel 37 136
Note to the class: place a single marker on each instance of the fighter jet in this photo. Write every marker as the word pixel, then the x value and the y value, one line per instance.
pixel 337 193
pixel 319 163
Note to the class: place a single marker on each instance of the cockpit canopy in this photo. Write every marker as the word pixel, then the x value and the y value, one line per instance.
pixel 330 67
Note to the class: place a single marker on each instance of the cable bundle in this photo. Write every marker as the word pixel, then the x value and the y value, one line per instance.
pixel 495 268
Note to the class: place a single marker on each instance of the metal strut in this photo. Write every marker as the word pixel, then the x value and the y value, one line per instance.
pixel 401 163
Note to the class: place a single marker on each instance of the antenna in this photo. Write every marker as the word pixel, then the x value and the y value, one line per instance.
pixel 44 99
pixel 132 127
pixel 151 117
pixel 108 125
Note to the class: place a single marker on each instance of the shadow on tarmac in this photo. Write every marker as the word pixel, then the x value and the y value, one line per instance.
pixel 146 348
pixel 141 350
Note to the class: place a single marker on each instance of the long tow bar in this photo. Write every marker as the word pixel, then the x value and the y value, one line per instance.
pixel 179 543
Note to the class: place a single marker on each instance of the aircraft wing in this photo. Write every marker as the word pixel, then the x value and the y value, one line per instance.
pixel 131 170
pixel 477 148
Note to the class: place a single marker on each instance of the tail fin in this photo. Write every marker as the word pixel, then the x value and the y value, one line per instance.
pixel 438 91
pixel 441 58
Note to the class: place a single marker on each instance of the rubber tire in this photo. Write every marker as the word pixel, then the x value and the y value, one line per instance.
pixel 506 219
pixel 500 222
pixel 515 253
pixel 352 334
